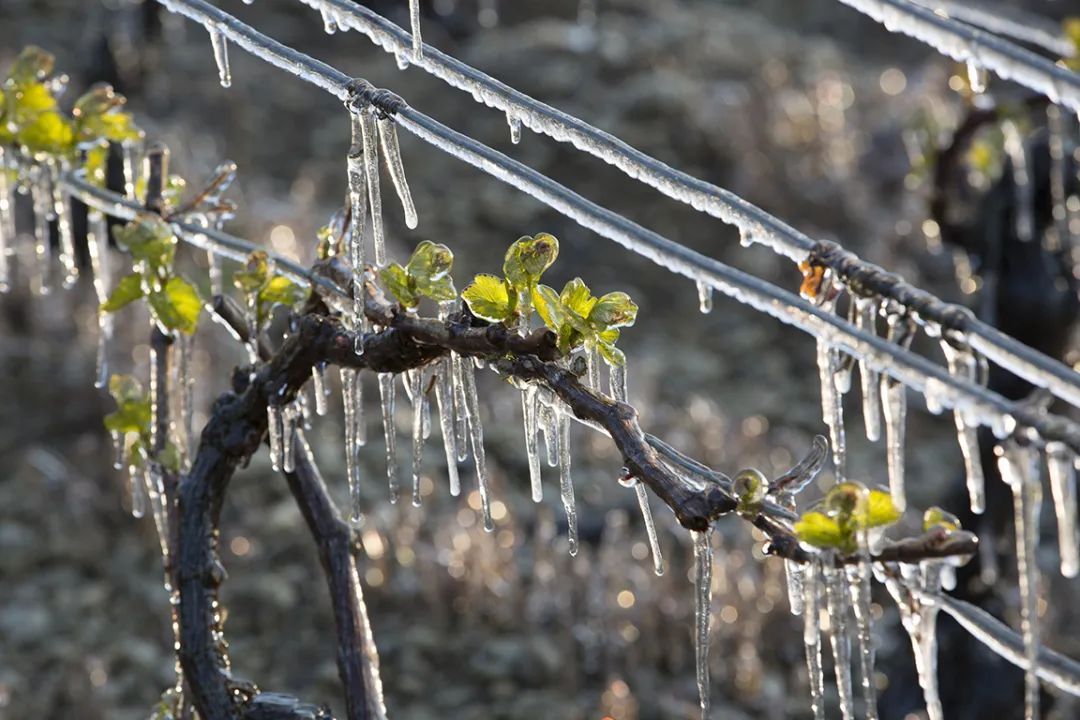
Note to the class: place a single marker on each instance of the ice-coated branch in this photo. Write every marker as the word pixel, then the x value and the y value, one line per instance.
pixel 752 221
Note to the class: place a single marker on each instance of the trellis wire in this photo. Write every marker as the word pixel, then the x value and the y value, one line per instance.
pixel 724 205
pixel 912 370
pixel 1010 22
pixel 965 43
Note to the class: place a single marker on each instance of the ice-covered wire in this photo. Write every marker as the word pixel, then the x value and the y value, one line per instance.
pixel 983 406
pixel 964 43
pixel 1010 22
pixel 1030 364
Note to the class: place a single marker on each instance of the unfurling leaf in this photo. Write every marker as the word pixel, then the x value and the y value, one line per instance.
pixel 611 354
pixel 255 275
pixel 822 531
pixel 396 280
pixel 750 487
pixel 132 412
pixel 935 517
pixel 429 263
pixel 177 306
pixel 576 298
pixel 48 132
pixel 128 290
pixel 488 297
pixel 528 258
pixel 548 306
pixel 613 310
pixel 281 291
pixel 150 241
pixel 32 65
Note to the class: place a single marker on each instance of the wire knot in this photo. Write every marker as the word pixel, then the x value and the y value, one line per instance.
pixel 363 94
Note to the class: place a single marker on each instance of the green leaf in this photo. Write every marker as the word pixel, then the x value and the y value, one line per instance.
pixel 611 354
pixel 528 258
pixel 48 132
pixel 281 291
pixel 822 531
pixel 548 306
pixel 441 290
pixel 127 291
pixel 880 511
pixel 935 517
pixel 99 99
pixel 29 99
pixel 613 310
pixel 169 457
pixel 609 336
pixel 750 487
pixel 150 241
pixel 132 412
pixel 576 298
pixel 255 275
pixel 177 306
pixel 429 263
pixel 32 64
pixel 96 165
pixel 397 282
pixel 489 298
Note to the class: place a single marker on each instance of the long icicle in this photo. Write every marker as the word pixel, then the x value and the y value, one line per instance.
pixel 221 55
pixel 348 403
pixel 98 246
pixel 417 41
pixel 532 451
pixel 386 395
pixel 831 404
pixel 962 365
pixel 416 383
pixel 865 319
pixel 476 436
pixel 461 419
pixel 859 585
pixel 812 639
pixel 42 201
pixel 371 169
pixel 1061 466
pixel 702 613
pixel 444 397
pixel 894 401
pixel 566 482
pixel 64 231
pixel 388 138
pixel 319 388
pixel 650 527
pixel 7 224
pixel 836 595
pixel 273 426
pixel 1020 471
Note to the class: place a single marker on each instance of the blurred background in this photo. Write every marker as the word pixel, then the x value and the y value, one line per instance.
pixel 804 107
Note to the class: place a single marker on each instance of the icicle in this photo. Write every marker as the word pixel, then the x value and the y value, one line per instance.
pixel 182 382
pixel 322 392
pixel 812 639
pixel 155 488
pixel 402 60
pixel 289 416
pixel 592 362
pixel 42 196
pixel 894 401
pixel 566 482
pixel 273 424
pixel 976 77
pixel 858 582
pixel 1061 466
pixel 129 154
pixel 417 41
pixel 371 170
pixel 839 635
pixel 386 394
pixel 118 443
pixel 529 411
pixel 98 246
pixel 832 404
pixel 352 472
pixel 549 428
pixel 139 500
pixel 388 138
pixel 617 381
pixel 704 293
pixel 416 378
pixel 702 612
pixel 1020 471
pixel 7 224
pixel 962 365
pixel 476 435
pixel 357 214
pixel 329 24
pixel 796 577
pixel 221 55
pixel 62 210
pixel 865 320
pixel 461 440
pixel 1024 210
pixel 746 238
pixel 216 277
pixel 650 527
pixel 514 122
pixel 444 397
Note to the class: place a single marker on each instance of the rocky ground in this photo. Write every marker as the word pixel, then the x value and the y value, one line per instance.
pixel 781 102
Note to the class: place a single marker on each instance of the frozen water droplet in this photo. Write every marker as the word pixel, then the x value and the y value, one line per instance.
pixel 515 127
pixel 705 299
